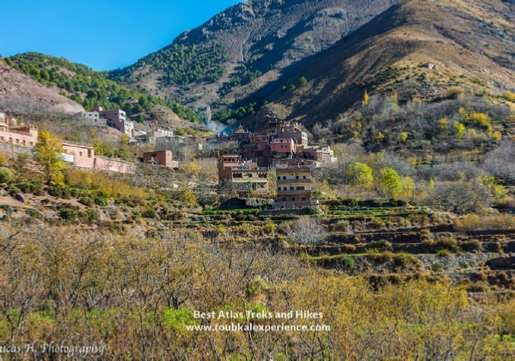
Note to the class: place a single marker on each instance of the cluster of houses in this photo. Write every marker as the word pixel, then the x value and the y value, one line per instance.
pixel 283 146
pixel 117 119
pixel 16 134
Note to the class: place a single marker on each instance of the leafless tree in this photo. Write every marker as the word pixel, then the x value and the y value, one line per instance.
pixel 306 231
pixel 501 162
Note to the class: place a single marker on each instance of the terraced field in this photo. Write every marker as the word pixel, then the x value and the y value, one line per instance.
pixel 389 242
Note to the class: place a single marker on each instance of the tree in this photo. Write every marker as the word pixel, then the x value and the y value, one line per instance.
pixel 189 197
pixel 408 187
pixel 124 138
pixel 302 81
pixel 305 231
pixel 389 183
pixel 47 151
pixel 360 174
pixel 460 197
pixel 365 98
pixel 442 125
pixel 459 130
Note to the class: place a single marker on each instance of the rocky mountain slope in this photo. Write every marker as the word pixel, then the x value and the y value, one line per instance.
pixel 256 42
pixel 415 49
pixel 20 94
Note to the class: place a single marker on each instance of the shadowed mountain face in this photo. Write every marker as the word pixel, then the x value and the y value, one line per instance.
pixel 256 42
pixel 470 43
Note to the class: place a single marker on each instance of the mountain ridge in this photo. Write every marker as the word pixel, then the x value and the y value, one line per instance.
pixel 404 40
pixel 258 38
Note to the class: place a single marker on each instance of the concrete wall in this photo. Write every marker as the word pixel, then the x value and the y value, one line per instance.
pixel 161 157
pixel 83 156
pixel 113 165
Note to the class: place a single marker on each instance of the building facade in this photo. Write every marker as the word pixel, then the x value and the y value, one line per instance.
pixel 91 118
pixel 23 135
pixel 244 175
pixel 293 187
pixel 161 157
pixel 117 119
pixel 80 155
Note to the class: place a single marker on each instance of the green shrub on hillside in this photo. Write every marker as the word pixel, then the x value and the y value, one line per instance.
pixel 5 175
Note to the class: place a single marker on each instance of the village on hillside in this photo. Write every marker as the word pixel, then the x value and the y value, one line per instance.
pixel 283 146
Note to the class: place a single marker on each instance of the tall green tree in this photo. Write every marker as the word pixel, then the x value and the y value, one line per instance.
pixel 389 183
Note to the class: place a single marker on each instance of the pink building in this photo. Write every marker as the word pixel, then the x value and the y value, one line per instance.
pixel 162 157
pixel 17 135
pixel 117 119
pixel 283 146
pixel 81 156
pixel 84 157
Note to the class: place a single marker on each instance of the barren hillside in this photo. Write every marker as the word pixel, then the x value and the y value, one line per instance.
pixel 471 44
pixel 20 94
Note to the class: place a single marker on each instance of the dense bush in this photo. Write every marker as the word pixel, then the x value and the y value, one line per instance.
pixel 149 213
pixel 5 175
pixel 87 201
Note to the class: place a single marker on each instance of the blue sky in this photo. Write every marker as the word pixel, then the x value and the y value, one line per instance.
pixel 102 34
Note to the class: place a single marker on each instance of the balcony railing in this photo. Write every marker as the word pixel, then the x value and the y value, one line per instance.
pixel 306 192
pixel 281 181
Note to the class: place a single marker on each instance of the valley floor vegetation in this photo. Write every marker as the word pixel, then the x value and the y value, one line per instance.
pixel 136 293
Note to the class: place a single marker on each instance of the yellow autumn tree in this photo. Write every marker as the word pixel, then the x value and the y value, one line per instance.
pixel 365 98
pixel 360 174
pixel 47 151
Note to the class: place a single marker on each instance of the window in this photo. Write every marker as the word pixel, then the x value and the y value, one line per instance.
pixel 285 188
pixel 284 177
pixel 17 141
pixel 2 139
pixel 292 188
pixel 279 188
pixel 31 144
pixel 293 199
pixel 304 177
pixel 284 199
pixel 303 199
pixel 80 154
pixel 278 178
pixel 300 188
pixel 297 177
